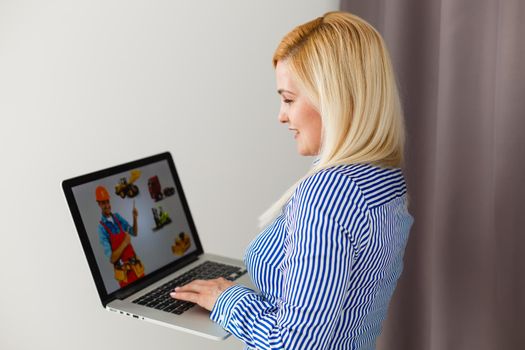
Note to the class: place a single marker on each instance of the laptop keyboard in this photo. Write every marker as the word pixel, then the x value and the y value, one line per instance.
pixel 160 298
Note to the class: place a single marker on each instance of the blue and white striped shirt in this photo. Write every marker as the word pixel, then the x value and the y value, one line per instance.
pixel 326 267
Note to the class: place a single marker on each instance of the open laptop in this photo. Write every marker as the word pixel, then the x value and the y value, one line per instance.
pixel 140 242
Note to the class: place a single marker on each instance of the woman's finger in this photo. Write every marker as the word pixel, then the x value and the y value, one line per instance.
pixel 194 286
pixel 192 297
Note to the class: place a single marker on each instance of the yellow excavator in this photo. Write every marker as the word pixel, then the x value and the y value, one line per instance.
pixel 126 187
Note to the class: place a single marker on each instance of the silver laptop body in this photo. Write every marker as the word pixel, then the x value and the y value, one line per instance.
pixel 157 244
pixel 196 320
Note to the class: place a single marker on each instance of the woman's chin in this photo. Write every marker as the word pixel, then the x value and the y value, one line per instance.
pixel 304 152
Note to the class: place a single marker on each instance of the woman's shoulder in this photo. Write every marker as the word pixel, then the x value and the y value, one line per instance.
pixel 368 184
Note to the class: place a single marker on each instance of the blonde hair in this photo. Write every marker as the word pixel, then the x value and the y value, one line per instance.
pixel 340 62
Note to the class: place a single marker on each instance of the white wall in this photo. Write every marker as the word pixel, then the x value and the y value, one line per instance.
pixel 89 84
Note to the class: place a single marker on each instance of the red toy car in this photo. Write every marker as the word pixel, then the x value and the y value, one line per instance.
pixel 155 189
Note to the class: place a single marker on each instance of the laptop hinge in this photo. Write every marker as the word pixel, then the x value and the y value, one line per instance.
pixel 123 294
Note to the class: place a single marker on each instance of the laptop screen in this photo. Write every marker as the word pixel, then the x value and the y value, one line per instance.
pixel 135 222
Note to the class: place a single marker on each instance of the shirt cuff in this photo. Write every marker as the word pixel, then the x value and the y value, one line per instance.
pixel 226 303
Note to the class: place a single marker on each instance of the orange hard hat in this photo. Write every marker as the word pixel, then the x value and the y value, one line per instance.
pixel 102 194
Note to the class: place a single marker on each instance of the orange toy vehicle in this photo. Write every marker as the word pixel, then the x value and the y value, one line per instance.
pixel 182 244
pixel 127 188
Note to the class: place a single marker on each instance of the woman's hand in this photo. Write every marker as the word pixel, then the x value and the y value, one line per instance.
pixel 202 292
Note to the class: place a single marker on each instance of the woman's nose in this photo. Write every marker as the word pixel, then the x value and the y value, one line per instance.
pixel 283 117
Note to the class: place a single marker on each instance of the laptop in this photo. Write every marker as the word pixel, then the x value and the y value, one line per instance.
pixel 140 242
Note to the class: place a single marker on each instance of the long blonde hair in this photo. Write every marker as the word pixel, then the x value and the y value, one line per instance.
pixel 342 65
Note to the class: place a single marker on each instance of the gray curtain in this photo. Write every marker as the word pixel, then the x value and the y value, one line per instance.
pixel 460 70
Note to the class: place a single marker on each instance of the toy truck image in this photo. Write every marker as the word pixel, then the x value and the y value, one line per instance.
pixel 182 244
pixel 161 218
pixel 155 190
pixel 127 188
pixel 168 191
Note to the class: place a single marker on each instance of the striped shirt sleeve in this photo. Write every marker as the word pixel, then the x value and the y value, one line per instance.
pixel 319 251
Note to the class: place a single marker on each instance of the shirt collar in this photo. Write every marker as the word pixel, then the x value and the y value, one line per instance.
pixel 105 219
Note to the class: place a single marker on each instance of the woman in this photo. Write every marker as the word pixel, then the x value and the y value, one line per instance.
pixel 328 262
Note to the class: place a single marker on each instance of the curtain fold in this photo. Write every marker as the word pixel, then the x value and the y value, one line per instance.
pixel 459 67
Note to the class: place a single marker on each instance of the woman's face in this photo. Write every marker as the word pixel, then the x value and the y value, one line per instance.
pixel 303 119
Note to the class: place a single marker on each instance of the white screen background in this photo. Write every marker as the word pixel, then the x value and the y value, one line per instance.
pixel 152 247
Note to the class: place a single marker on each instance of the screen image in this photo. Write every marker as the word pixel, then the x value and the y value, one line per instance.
pixel 135 223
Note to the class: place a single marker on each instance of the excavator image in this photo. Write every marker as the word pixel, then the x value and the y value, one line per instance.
pixel 126 187
pixel 161 218
pixel 182 244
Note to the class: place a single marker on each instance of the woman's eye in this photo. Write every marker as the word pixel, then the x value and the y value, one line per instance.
pixel 287 101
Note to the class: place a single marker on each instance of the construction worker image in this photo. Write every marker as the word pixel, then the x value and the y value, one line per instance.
pixel 115 236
